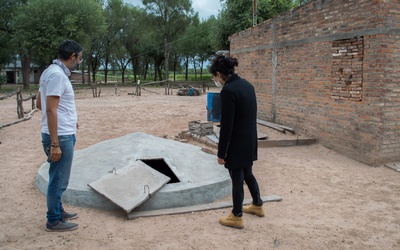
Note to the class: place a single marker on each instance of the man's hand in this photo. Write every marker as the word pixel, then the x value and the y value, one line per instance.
pixel 55 153
pixel 221 161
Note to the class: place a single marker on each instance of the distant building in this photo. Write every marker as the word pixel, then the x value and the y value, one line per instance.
pixel 76 76
pixel 14 73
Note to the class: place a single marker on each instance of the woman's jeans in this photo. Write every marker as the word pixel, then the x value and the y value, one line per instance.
pixel 238 176
pixel 59 173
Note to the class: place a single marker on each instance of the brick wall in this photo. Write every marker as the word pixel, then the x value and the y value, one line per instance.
pixel 330 69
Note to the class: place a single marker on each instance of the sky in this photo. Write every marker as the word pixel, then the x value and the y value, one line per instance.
pixel 205 8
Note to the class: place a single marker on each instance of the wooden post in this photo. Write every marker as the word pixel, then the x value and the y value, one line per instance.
pixel 33 102
pixel 20 108
pixel 138 89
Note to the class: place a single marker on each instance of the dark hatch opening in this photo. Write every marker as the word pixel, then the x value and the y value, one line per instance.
pixel 162 167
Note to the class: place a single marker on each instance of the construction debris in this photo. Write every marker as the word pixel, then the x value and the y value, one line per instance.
pixel 188 91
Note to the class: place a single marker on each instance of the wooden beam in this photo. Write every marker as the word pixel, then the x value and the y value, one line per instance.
pixel 276 126
pixel 285 143
pixel 271 125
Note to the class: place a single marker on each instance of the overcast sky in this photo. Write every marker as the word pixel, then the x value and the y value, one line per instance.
pixel 205 8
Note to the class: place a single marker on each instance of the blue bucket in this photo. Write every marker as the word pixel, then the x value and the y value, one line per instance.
pixel 213 107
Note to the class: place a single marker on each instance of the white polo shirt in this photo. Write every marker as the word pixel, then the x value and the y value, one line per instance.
pixel 54 82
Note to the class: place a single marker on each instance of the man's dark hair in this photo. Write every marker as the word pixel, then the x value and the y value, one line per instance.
pixel 67 48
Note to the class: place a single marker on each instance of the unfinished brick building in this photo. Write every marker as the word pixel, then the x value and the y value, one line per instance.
pixel 330 69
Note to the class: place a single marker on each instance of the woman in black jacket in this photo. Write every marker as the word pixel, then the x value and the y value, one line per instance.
pixel 237 147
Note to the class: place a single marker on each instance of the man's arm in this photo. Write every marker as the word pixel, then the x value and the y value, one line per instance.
pixel 52 122
pixel 38 101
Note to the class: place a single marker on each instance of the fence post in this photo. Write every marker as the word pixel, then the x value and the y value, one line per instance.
pixel 33 102
pixel 20 108
pixel 138 89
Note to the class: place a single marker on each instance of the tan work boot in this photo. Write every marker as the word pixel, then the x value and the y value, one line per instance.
pixel 253 209
pixel 232 221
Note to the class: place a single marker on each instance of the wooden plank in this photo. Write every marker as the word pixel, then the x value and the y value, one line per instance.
pixel 196 208
pixel 286 143
pixel 291 130
pixel 271 125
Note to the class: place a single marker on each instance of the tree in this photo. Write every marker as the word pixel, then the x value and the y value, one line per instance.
pixel 122 57
pixel 213 34
pixel 170 18
pixel 187 42
pixel 116 15
pixel 205 48
pixel 38 36
pixel 133 37
pixel 94 57
pixel 7 10
pixel 237 15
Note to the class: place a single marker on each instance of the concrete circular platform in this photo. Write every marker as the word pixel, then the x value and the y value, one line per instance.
pixel 200 179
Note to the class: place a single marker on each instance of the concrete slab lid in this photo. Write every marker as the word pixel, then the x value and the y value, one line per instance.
pixel 130 186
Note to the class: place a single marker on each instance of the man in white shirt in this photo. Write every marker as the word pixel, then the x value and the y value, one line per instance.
pixel 59 123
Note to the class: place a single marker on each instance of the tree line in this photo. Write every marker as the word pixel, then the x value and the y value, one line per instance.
pixel 162 36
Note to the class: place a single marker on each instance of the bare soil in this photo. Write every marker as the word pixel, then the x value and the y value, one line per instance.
pixel 328 201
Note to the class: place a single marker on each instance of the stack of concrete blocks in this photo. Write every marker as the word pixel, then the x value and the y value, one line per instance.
pixel 201 127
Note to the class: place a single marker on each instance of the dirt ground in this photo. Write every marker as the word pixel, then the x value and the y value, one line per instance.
pixel 328 201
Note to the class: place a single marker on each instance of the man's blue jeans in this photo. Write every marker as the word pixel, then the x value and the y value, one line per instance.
pixel 59 173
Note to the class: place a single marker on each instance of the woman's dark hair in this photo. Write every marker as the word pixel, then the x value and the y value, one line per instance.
pixel 67 48
pixel 225 65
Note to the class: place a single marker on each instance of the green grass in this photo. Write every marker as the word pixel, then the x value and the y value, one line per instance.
pixel 130 78
pixel 33 88
pixel 7 88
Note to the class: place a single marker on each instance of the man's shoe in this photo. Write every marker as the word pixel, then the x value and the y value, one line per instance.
pixel 232 221
pixel 68 216
pixel 61 226
pixel 253 209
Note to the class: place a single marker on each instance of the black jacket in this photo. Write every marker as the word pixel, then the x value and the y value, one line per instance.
pixel 238 133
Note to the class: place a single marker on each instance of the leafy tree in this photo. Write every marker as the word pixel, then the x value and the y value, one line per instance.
pixel 237 15
pixel 213 34
pixel 7 10
pixel 94 57
pixel 170 18
pixel 133 37
pixel 122 58
pixel 116 14
pixel 38 35
pixel 205 46
pixel 187 45
pixel 152 51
